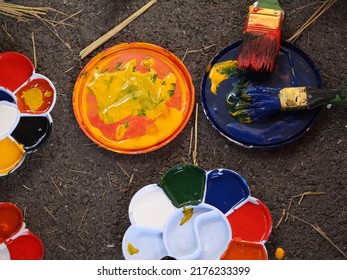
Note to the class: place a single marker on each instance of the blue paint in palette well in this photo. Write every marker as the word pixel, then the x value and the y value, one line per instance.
pixel 225 189
pixel 293 68
pixel 5 96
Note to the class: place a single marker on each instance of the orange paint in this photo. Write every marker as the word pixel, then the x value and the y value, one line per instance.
pixel 35 97
pixel 242 250
pixel 11 220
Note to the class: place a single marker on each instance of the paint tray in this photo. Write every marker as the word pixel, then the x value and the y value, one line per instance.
pixel 197 214
pixel 133 98
pixel 16 241
pixel 293 68
pixel 26 99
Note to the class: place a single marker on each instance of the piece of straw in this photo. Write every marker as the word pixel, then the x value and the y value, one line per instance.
pixel 322 9
pixel 115 30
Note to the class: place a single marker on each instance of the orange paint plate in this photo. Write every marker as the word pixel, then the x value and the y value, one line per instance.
pixel 133 98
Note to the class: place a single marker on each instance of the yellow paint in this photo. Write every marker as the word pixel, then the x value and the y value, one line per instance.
pixel 279 254
pixel 11 155
pixel 220 72
pixel 48 94
pixel 132 250
pixel 148 62
pixel 188 213
pixel 33 98
pixel 264 19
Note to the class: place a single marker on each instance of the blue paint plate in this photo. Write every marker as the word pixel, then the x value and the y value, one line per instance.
pixel 293 68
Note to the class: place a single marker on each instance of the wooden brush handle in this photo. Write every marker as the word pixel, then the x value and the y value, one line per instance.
pixel 320 97
pixel 269 4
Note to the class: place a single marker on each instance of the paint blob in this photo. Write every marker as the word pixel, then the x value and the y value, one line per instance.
pixel 32 132
pixel 133 98
pixel 12 154
pixel 11 220
pixel 251 221
pixel 15 69
pixel 25 247
pixel 241 250
pixel 9 117
pixel 184 185
pixel 225 189
pixel 5 95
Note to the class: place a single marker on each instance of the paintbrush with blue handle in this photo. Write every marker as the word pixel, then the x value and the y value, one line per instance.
pixel 257 103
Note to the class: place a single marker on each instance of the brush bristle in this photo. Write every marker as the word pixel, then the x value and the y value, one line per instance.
pixel 254 104
pixel 258 52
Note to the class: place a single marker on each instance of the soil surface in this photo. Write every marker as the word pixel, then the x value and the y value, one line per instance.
pixel 87 189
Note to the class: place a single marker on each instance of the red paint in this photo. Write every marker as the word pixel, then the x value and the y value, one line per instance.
pixel 251 222
pixel 11 220
pixel 241 250
pixel 48 96
pixel 15 69
pixel 25 247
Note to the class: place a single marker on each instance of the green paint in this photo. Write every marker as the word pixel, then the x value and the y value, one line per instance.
pixel 269 4
pixel 184 185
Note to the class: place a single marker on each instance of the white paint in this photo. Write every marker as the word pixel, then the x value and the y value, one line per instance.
pixel 4 253
pixel 9 118
pixel 150 207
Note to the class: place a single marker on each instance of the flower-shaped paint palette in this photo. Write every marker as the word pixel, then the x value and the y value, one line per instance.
pixel 133 98
pixel 16 241
pixel 197 214
pixel 26 99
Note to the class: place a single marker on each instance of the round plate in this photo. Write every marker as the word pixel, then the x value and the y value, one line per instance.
pixel 293 68
pixel 133 98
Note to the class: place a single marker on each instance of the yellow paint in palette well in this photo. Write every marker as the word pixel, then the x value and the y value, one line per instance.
pixel 11 153
pixel 220 72
pixel 33 98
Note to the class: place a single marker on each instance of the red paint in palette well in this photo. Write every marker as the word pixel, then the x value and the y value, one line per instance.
pixel 240 250
pixel 48 96
pixel 11 220
pixel 25 247
pixel 251 222
pixel 15 69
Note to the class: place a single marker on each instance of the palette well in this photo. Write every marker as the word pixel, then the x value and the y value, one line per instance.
pixel 16 241
pixel 293 68
pixel 26 100
pixel 197 214
pixel 133 98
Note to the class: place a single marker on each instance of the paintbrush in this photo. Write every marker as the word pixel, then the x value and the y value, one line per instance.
pixel 261 36
pixel 257 103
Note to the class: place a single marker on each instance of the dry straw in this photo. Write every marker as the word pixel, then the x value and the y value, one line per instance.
pixel 321 10
pixel 115 30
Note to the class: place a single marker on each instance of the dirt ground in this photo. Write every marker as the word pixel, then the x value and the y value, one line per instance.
pixel 89 212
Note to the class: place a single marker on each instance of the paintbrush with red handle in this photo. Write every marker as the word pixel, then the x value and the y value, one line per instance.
pixel 261 38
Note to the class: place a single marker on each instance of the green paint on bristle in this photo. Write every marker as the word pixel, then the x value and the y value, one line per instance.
pixel 269 4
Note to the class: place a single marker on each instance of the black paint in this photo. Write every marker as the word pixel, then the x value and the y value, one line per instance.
pixel 32 132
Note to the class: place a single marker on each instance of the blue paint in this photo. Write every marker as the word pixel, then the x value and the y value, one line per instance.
pixel 225 189
pixel 253 104
pixel 5 96
pixel 277 130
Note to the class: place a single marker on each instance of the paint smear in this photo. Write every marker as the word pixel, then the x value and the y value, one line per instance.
pixel 251 222
pixel 240 250
pixel 25 247
pixel 11 220
pixel 187 214
pixel 222 71
pixel 132 250
pixel 9 117
pixel 35 97
pixel 132 107
pixel 12 154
